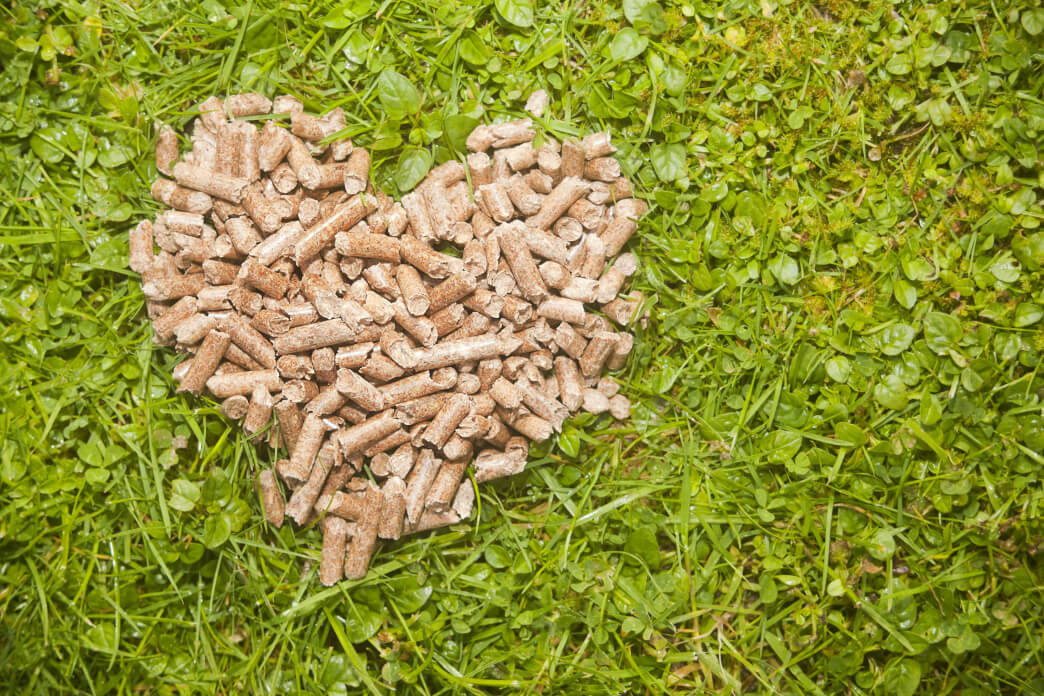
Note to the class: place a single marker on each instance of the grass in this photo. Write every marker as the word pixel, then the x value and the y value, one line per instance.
pixel 832 479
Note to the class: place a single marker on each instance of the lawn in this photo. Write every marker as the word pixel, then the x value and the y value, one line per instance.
pixel 832 479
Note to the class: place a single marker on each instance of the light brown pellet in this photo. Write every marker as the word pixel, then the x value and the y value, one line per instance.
pixel 497 201
pixel 194 329
pixel 412 289
pixel 418 385
pixel 625 213
pixel 493 464
pixel 283 177
pixel 359 437
pixel 359 390
pixel 456 287
pixel 308 337
pixel 300 391
pixel 444 487
pixel 271 497
pixel 453 352
pixel 431 262
pixel 396 347
pixel 224 186
pixel 421 477
pixel 204 363
pixel 523 197
pixel 335 540
pixel 595 401
pixel 549 163
pixel 512 132
pixel 533 427
pixel 235 407
pixel 622 349
pixel 314 240
pixel 393 508
pixel 181 198
pixel 368 246
pixel 251 341
pixel 422 329
pixel 480 169
pixel 542 405
pixel 570 382
pixel 164 325
pixel 540 183
pixel 172 286
pixel 562 309
pixel 357 171
pixel 422 409
pixel 572 163
pixel 259 411
pixel 447 420
pixel 523 268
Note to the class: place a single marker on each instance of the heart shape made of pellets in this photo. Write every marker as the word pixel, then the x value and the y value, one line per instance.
pixel 397 343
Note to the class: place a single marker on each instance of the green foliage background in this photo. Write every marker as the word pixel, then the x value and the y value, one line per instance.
pixel 832 480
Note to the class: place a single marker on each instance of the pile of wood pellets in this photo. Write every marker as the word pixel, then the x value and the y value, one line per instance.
pixel 387 346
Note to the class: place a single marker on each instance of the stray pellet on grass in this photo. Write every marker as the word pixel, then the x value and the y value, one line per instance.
pixel 390 352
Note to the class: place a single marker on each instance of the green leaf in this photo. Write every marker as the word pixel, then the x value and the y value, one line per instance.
pixel 413 165
pixel 673 80
pixel 27 44
pixel 114 156
pixel 712 193
pixel 216 531
pixel 517 12
pixel 905 293
pixel 497 557
pixel 971 380
pixel 633 9
pixel 605 103
pixel 569 441
pixel 631 625
pixel 917 268
pixel 891 393
pixel 903 677
pixel 896 338
pixel 473 49
pixel 102 638
pixel 361 623
pixel 668 161
pixel 1005 270
pixel 1027 314
pixel 941 331
pixel 838 368
pixel 184 495
pixel 782 445
pixel 851 434
pixel 899 64
pixel 967 641
pixel 457 128
pixel 931 410
pixel 342 16
pixel 645 15
pixel 627 44
pixel 752 205
pixel 1033 20
pixel 44 145
pixel 406 593
pixel 397 94
pixel 785 269
pixel 882 545
pixel 642 543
